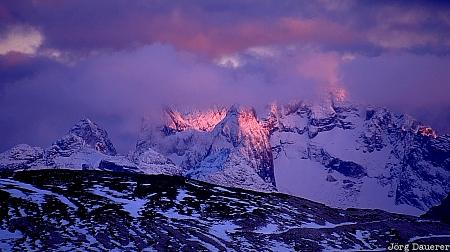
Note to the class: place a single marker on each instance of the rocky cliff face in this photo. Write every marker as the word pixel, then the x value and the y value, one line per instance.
pixel 337 153
pixel 355 156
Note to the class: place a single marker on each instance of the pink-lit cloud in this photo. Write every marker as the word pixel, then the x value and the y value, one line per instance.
pixel 218 27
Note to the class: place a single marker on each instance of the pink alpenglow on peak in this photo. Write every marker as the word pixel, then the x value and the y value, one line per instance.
pixel 427 131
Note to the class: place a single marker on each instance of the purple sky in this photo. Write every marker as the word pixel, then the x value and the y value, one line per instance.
pixel 118 60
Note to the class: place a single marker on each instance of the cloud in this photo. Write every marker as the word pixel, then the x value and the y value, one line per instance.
pixel 116 60
pixel 117 89
pixel 227 27
pixel 20 39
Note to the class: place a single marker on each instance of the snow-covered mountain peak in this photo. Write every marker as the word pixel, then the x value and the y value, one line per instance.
pixel 231 148
pixel 203 120
pixel 357 152
pixel 86 146
pixel 239 124
pixel 92 136
pixel 356 149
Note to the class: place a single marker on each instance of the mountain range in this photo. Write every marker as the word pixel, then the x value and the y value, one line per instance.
pixel 337 153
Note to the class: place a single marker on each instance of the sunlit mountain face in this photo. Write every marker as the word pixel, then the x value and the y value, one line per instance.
pixel 224 125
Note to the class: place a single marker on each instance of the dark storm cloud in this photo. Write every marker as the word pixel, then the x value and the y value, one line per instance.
pixel 217 27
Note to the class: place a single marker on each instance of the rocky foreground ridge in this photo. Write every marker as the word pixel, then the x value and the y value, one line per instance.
pixel 72 210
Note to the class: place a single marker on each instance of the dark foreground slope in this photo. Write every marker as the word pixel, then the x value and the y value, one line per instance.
pixel 75 210
pixel 440 212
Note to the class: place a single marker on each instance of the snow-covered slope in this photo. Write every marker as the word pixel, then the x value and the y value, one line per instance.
pixel 67 210
pixel 86 146
pixel 333 152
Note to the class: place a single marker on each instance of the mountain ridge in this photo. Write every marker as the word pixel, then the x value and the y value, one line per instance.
pixel 337 153
pixel 364 149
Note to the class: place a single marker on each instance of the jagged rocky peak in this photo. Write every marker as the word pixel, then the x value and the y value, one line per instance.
pixel 204 120
pixel 244 131
pixel 384 118
pixel 239 124
pixel 270 122
pixel 226 146
pixel 311 118
pixel 93 136
pixel 85 145
pixel 84 134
